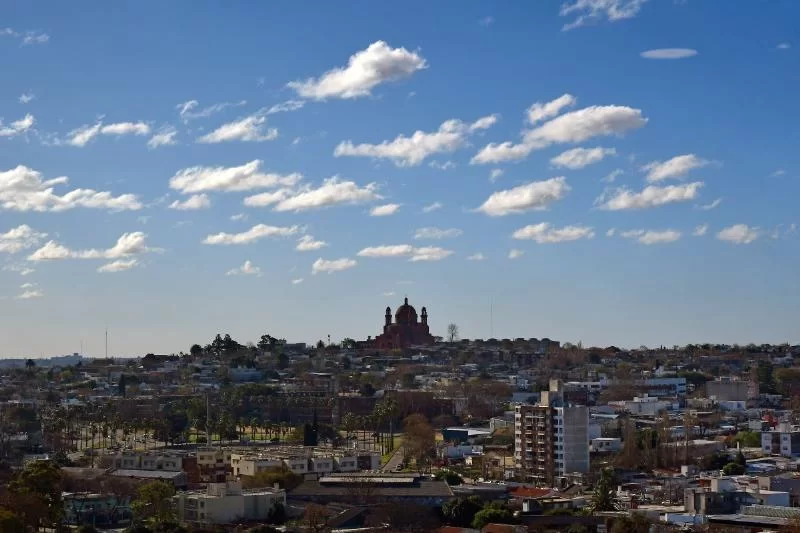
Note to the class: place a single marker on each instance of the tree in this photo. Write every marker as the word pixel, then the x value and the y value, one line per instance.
pixel 196 350
pixel 121 385
pixel 492 514
pixel 733 469
pixel 452 333
pixel 633 523
pixel 35 494
pixel 10 522
pixel 315 518
pixel 348 343
pixel 153 502
pixel 604 497
pixel 461 511
pixel 30 364
pixel 449 476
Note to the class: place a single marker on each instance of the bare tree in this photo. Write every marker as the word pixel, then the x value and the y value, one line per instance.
pixel 452 332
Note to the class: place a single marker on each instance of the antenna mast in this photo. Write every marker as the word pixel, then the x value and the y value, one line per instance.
pixel 106 343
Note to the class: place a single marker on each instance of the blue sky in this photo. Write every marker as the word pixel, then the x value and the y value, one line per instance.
pixel 611 171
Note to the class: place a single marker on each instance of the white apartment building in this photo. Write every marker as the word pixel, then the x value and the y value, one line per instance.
pixel 147 461
pixel 225 503
pixel 783 440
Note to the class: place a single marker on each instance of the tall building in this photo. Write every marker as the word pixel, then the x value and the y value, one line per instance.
pixel 551 438
pixel 406 330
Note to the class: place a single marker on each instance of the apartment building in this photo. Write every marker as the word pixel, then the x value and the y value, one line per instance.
pixel 302 460
pixel 225 503
pixel 551 438
pixel 783 440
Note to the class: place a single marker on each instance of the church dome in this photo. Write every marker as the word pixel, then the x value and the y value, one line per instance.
pixel 405 314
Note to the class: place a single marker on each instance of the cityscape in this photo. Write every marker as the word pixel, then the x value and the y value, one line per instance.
pixel 453 267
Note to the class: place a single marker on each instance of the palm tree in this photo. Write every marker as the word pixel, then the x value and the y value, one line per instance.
pixel 604 497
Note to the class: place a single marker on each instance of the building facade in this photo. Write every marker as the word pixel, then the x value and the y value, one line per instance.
pixel 551 438
pixel 225 503
pixel 406 330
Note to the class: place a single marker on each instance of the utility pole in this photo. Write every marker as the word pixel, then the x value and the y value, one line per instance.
pixel 106 343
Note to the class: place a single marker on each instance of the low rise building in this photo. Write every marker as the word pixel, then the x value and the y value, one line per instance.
pixel 226 503
pixel 783 440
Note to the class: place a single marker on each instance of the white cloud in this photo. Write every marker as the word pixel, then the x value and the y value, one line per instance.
pixel 82 136
pixel 425 253
pixel 332 265
pixel 285 107
pixel 540 111
pixel 26 98
pixel 27 286
pixel 229 179
pixel 250 129
pixel 196 201
pixel 700 230
pixel 739 234
pixel 119 265
pixel 365 70
pixel 22 270
pixel 669 53
pixel 384 210
pixel 307 243
pixel 297 281
pixel 34 37
pixel 650 196
pixel 611 232
pixel 447 165
pixel 515 254
pixel 20 238
pixel 495 174
pixel 18 127
pixel 544 233
pixel 257 232
pixel 238 217
pixel 389 293
pixel 783 46
pixel 573 127
pixel 591 11
pixel 29 294
pixel 411 151
pixel 437 233
pixel 486 21
pixel 333 191
pixel 187 109
pixel 247 269
pixel 430 208
pixel 476 257
pixel 535 195
pixel 581 157
pixel 164 137
pixel 777 173
pixel 652 237
pixel 612 176
pixel 710 206
pixel 265 199
pixel 677 167
pixel 22 189
pixel 128 244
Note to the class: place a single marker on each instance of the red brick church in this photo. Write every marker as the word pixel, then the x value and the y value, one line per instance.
pixel 406 330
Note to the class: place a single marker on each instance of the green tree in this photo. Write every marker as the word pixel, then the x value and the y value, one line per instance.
pixel 461 511
pixel 492 514
pixel 153 502
pixel 10 522
pixel 733 469
pixel 604 497
pixel 633 523
pixel 449 476
pixel 121 385
pixel 196 350
pixel 748 439
pixel 35 494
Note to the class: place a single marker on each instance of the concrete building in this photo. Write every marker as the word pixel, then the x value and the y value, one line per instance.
pixel 303 460
pixel 148 461
pixel 732 389
pixel 551 438
pixel 783 440
pixel 225 503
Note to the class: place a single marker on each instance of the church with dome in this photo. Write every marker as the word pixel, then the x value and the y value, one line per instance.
pixel 406 330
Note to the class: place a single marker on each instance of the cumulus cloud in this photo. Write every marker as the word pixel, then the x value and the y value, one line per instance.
pixel 384 210
pixel 20 238
pixel 285 107
pixel 411 151
pixel 650 196
pixel 256 233
pixel 22 270
pixel 430 208
pixel 710 206
pixel 82 136
pixel 592 11
pixel 365 70
pixel 515 254
pixel 424 253
pixel 677 167
pixel 229 179
pixel 581 157
pixel 164 137
pixel 333 191
pixel 247 269
pixel 307 243
pixel 535 195
pixel 611 232
pixel 297 281
pixel 252 128
pixel 700 230
pixel 26 38
pixel 612 176
pixel 119 265
pixel 476 257
pixel 239 216
pixel 196 201
pixel 332 265
pixel 437 233
pixel 572 127
pixel 23 189
pixel 265 199
pixel 539 111
pixel 128 244
pixel 669 53
pixel 739 234
pixel 191 109
pixel 29 294
pixel 652 237
pixel 18 127
pixel 544 233
pixel 447 165
pixel 26 98
pixel 495 174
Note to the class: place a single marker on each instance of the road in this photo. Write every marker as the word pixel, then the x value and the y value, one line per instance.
pixel 394 460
